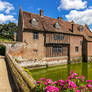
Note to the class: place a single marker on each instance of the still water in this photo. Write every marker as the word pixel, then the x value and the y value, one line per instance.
pixel 62 72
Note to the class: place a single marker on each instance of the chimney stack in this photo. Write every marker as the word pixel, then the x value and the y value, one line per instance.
pixel 72 25
pixel 59 18
pixel 41 12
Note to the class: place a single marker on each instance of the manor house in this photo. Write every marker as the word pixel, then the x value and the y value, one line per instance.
pixel 53 39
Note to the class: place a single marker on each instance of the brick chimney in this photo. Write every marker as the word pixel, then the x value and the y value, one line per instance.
pixel 72 25
pixel 60 18
pixel 41 12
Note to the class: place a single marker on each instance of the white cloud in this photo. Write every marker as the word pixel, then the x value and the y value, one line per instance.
pixel 90 7
pixel 6 6
pixel 90 29
pixel 6 18
pixel 72 4
pixel 80 17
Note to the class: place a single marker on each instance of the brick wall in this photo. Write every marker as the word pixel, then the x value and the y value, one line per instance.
pixel 89 45
pixel 75 41
pixel 34 49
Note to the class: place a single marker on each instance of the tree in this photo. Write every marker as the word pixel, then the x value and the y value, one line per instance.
pixel 7 30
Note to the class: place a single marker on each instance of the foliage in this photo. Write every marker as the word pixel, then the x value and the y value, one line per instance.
pixel 7 30
pixel 74 83
pixel 27 70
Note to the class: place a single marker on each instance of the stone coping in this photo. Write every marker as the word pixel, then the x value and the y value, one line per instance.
pixel 22 77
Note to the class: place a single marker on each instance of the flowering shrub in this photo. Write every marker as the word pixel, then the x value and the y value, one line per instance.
pixel 74 83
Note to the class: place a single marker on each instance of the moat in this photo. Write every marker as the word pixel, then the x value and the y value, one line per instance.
pixel 62 72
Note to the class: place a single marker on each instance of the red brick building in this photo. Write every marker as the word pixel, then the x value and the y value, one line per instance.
pixel 53 39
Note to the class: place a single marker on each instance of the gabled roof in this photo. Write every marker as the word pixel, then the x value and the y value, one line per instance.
pixel 47 24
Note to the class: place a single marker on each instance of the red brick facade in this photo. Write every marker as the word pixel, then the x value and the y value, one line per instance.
pixel 75 41
pixel 69 39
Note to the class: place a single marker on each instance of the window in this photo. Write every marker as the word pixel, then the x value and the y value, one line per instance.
pixel 81 28
pixel 80 42
pixel 54 49
pixel 35 35
pixel 35 50
pixel 57 25
pixel 57 50
pixel 76 49
pixel 34 22
pixel 58 37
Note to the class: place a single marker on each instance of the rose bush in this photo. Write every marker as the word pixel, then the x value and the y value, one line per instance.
pixel 74 83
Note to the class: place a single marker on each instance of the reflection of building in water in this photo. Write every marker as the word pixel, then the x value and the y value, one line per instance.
pixel 68 69
pixel 85 70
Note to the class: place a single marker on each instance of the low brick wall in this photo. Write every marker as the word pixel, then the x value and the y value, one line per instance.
pixel 23 81
pixel 90 59
pixel 76 59
pixel 47 62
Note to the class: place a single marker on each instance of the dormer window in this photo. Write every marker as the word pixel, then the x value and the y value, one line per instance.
pixel 34 22
pixel 57 25
pixel 81 28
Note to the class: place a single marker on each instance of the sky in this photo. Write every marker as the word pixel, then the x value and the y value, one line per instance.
pixel 80 11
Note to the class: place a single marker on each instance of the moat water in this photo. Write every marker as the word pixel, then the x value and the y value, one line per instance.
pixel 62 71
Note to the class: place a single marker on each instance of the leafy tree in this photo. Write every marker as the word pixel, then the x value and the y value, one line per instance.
pixel 7 30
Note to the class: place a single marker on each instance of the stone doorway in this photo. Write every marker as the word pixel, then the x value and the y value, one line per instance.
pixel 2 50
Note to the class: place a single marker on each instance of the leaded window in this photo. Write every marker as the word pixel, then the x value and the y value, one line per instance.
pixel 76 49
pixel 58 37
pixel 57 50
pixel 35 35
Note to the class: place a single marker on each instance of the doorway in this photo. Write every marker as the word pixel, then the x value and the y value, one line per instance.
pixel 2 50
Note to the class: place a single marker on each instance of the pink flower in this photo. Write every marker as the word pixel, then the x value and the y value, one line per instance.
pixel 38 82
pixel 88 81
pixel 77 77
pixel 61 81
pixel 42 79
pixel 77 90
pixel 72 84
pixel 71 72
pixel 51 89
pixel 69 77
pixel 82 78
pixel 89 85
pixel 75 74
pixel 54 82
pixel 49 81
pixel 81 87
pixel 45 83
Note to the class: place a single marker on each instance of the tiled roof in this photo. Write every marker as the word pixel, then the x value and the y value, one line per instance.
pixel 47 24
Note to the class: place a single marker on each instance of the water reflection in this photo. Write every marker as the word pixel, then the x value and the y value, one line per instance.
pixel 68 69
pixel 85 70
pixel 63 71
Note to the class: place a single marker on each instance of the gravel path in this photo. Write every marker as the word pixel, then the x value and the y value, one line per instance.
pixel 4 80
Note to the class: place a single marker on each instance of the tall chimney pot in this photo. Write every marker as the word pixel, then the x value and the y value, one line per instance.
pixel 72 22
pixel 59 18
pixel 41 12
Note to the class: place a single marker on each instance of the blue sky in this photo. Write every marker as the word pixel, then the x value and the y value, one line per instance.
pixel 78 10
